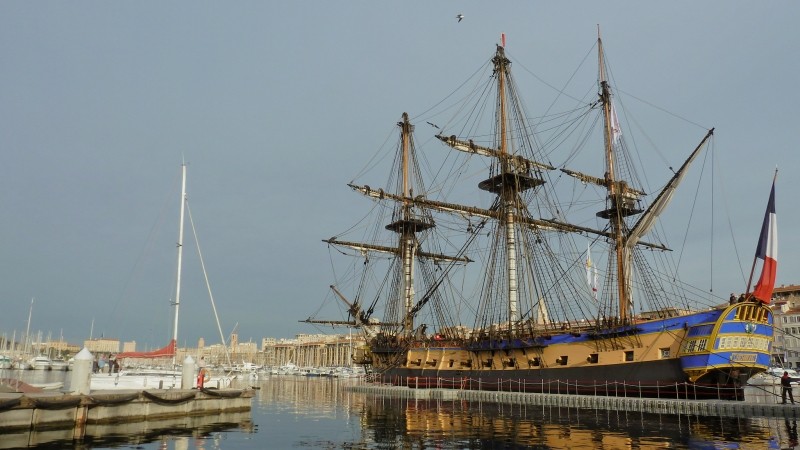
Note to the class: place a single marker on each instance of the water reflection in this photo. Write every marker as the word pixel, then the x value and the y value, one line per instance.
pixel 428 424
pixel 303 412
pixel 302 406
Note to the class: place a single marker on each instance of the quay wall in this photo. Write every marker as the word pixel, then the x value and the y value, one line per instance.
pixel 715 408
pixel 43 411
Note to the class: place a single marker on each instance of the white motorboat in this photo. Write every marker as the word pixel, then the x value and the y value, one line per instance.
pixel 59 364
pixel 40 362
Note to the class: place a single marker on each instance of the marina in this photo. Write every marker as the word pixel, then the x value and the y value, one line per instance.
pixel 283 406
pixel 322 412
pixel 539 226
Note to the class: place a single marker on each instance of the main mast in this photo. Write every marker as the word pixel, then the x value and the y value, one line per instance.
pixel 501 64
pixel 507 185
pixel 180 257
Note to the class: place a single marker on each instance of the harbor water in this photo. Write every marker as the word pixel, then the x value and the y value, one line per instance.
pixel 295 412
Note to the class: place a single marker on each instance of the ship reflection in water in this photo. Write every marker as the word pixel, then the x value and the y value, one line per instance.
pixel 448 424
pixel 321 413
pixel 317 413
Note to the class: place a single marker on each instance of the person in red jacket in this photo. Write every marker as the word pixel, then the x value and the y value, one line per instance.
pixel 202 376
pixel 786 387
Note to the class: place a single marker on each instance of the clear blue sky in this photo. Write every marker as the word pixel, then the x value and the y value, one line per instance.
pixel 275 105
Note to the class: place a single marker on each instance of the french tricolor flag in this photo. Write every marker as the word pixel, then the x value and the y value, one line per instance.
pixel 767 251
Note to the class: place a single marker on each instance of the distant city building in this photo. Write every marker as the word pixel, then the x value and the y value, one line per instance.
pixel 102 345
pixel 234 340
pixel 129 346
pixel 786 312
pixel 60 347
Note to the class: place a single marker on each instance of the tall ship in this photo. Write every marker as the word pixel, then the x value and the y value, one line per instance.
pixel 538 277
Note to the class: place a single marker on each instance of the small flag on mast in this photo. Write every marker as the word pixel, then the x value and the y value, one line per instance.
pixel 767 251
pixel 503 39
pixel 591 272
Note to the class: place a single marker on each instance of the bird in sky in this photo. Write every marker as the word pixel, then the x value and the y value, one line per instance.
pixel 459 17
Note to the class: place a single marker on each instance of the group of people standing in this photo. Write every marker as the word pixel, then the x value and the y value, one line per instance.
pixel 104 364
pixel 741 299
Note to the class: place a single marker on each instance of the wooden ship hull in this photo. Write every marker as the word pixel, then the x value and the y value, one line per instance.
pixel 703 355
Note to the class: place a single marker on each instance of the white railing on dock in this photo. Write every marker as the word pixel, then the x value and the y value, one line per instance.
pixel 624 389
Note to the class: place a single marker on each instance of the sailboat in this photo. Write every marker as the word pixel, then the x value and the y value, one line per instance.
pixel 543 317
pixel 148 377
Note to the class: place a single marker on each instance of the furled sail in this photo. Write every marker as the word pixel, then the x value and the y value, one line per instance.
pixel 164 352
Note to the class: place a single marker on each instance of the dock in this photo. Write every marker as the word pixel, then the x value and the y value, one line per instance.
pixel 47 410
pixel 765 406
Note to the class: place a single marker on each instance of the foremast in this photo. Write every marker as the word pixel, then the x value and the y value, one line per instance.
pixel 408 221
pixel 407 226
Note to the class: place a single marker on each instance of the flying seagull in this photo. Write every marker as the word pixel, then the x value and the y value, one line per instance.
pixel 459 17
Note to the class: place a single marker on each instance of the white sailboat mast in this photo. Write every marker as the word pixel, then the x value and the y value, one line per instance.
pixel 180 257
pixel 28 328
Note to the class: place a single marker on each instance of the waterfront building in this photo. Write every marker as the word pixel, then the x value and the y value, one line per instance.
pixel 102 345
pixel 129 346
pixel 786 310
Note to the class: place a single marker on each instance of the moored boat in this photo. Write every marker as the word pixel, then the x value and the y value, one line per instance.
pixel 59 363
pixel 40 362
pixel 545 317
pixel 169 374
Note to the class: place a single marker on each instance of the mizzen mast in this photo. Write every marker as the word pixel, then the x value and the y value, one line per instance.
pixel 622 201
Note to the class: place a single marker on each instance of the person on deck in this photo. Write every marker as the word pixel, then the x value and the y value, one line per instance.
pixel 202 372
pixel 202 375
pixel 786 387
